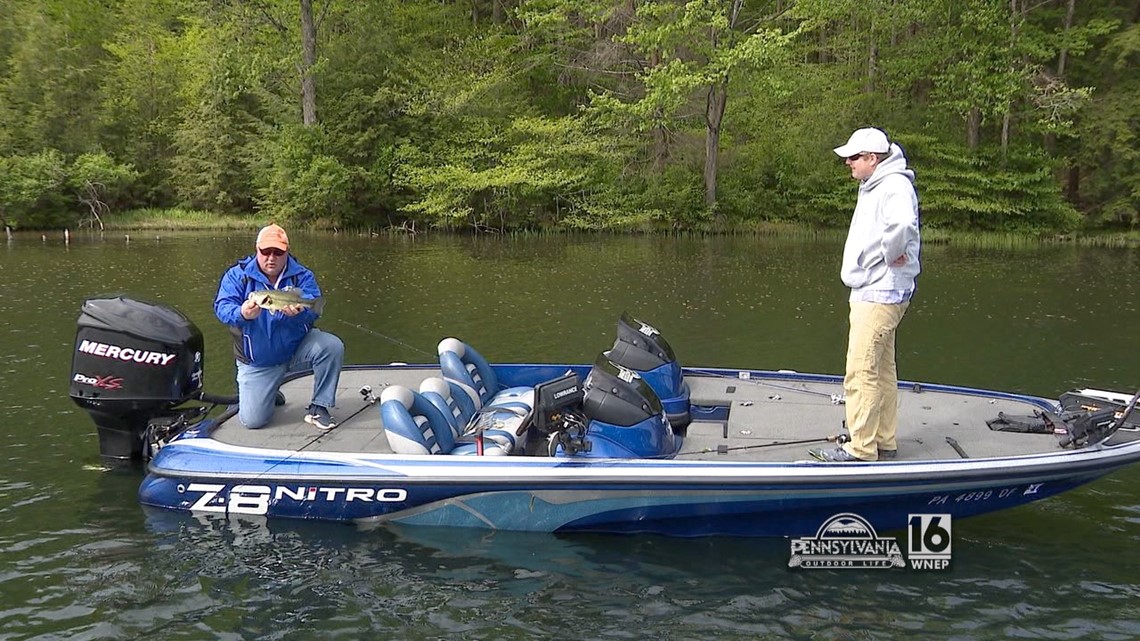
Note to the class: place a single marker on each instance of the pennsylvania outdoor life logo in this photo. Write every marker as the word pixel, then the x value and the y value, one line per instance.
pixel 848 540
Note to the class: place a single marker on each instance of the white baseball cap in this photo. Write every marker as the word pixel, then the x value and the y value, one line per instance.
pixel 867 140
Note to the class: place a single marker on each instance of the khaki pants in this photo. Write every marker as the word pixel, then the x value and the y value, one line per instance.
pixel 872 381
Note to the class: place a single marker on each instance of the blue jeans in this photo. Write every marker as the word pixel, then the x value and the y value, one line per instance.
pixel 320 351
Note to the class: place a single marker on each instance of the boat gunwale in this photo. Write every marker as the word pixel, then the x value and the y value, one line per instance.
pixel 1101 459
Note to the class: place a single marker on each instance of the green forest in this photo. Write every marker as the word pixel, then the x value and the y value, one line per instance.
pixel 492 115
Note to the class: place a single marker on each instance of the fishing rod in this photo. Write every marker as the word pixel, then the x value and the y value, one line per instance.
pixel 724 449
pixel 835 399
pixel 388 338
pixel 369 401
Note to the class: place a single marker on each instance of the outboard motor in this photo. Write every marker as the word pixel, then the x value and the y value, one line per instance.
pixel 625 418
pixel 641 348
pixel 133 362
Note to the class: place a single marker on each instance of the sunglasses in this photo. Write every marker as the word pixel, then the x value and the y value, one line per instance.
pixel 272 251
pixel 857 156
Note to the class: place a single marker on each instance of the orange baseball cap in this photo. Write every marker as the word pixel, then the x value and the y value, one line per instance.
pixel 272 236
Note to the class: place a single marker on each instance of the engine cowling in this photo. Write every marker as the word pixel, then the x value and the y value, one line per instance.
pixel 133 361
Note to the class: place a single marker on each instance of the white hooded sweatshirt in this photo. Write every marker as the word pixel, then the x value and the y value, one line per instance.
pixel 883 227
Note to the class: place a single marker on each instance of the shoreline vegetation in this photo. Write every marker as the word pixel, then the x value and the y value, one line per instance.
pixel 183 220
pixel 569 116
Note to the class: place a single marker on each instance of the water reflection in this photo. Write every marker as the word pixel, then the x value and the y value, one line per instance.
pixel 488 584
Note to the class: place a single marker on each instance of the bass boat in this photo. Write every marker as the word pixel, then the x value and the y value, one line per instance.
pixel 632 443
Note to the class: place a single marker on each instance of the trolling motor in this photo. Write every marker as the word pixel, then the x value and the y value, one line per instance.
pixel 1095 425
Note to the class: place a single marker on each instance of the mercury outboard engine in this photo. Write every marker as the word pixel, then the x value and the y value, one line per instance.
pixel 641 348
pixel 133 362
pixel 625 418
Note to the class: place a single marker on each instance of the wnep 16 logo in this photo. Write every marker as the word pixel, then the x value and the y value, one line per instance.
pixel 848 540
pixel 928 541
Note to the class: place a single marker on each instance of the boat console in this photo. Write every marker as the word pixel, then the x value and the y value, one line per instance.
pixel 613 414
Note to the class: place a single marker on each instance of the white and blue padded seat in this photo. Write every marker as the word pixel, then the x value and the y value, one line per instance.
pixel 414 424
pixel 451 400
pixel 498 425
pixel 463 365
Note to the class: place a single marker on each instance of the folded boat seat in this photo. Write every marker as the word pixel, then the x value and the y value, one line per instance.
pixel 463 365
pixel 641 348
pixel 498 425
pixel 415 424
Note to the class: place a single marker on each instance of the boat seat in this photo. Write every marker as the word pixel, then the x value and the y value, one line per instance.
pixel 499 424
pixel 450 398
pixel 416 425
pixel 463 365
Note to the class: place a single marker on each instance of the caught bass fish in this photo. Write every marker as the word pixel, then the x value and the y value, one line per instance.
pixel 276 300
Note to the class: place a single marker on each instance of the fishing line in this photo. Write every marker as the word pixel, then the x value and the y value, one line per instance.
pixel 388 338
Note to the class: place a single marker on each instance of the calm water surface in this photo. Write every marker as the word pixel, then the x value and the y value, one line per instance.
pixel 79 559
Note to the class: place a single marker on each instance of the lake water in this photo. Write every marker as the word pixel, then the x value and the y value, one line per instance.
pixel 80 559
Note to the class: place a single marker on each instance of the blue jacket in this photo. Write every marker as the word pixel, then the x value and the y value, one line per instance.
pixel 271 338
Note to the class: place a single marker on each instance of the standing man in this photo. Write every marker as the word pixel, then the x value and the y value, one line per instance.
pixel 270 344
pixel 880 264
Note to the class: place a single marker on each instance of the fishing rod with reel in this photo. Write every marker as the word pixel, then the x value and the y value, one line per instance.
pixel 724 449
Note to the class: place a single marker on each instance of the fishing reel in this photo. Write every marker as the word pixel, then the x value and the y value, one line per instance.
pixel 367 395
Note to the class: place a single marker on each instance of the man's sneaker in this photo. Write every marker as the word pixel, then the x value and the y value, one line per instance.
pixel 888 455
pixel 279 399
pixel 837 455
pixel 319 418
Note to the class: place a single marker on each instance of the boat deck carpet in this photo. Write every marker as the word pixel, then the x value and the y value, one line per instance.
pixel 763 416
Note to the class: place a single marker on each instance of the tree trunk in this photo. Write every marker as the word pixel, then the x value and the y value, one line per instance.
pixel 973 128
pixel 1062 61
pixel 660 147
pixel 1006 120
pixel 1073 185
pixel 308 60
pixel 872 66
pixel 660 139
pixel 1005 124
pixel 718 96
pixel 714 115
